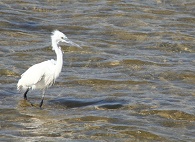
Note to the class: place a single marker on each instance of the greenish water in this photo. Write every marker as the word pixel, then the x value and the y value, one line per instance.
pixel 133 79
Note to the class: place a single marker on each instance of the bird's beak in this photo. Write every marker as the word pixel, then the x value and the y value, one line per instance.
pixel 72 43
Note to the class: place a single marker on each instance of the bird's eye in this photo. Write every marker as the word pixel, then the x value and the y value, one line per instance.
pixel 62 38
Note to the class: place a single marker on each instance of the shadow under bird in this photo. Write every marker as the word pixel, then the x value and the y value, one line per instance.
pixel 43 75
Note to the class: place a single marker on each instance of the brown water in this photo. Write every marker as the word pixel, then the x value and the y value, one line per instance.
pixel 132 81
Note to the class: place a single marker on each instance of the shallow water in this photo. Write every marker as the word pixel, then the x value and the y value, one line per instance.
pixel 133 79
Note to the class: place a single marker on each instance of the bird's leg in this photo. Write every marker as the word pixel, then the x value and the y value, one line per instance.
pixel 43 95
pixel 41 103
pixel 25 97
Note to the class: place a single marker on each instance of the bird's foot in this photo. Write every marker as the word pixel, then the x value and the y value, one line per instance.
pixel 25 97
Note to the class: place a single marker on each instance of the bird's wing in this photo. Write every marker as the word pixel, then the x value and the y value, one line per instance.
pixel 49 74
pixel 52 61
pixel 36 72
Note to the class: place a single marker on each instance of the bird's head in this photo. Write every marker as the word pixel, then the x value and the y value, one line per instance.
pixel 58 37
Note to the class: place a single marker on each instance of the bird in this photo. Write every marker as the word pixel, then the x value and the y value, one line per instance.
pixel 43 75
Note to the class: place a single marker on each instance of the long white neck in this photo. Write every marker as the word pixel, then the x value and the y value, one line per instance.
pixel 59 54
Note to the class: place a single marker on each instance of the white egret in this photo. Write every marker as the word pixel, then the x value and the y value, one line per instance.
pixel 43 75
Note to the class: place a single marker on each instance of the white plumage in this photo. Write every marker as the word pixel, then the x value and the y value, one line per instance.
pixel 43 75
pixel 38 76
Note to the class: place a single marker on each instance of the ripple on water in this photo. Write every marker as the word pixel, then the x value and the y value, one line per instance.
pixel 100 104
pixel 132 81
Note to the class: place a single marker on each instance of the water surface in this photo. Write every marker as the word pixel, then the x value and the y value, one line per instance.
pixel 133 79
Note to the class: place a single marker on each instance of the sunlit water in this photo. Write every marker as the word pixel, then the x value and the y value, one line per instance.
pixel 133 79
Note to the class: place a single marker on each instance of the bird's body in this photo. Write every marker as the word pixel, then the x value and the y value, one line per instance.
pixel 43 75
